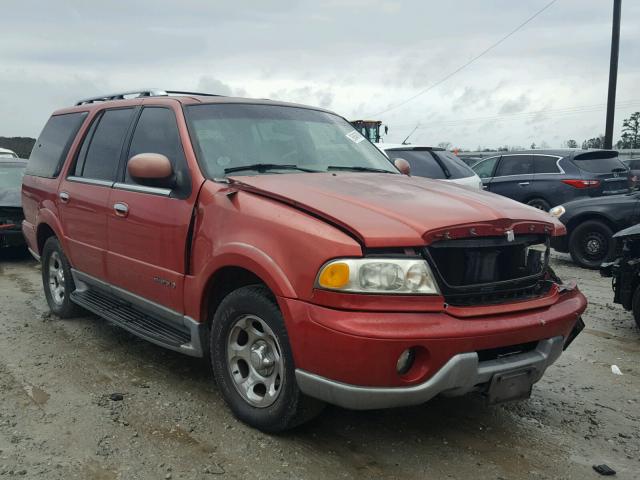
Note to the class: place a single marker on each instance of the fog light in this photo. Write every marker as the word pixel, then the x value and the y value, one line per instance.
pixel 405 361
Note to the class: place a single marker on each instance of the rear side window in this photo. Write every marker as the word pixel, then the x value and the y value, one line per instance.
pixel 100 152
pixel 545 164
pixel 515 165
pixel 157 132
pixel 52 146
pixel 421 161
pixel 633 164
pixel 598 162
pixel 457 168
pixel 484 168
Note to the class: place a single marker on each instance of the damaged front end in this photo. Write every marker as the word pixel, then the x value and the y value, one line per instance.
pixel 625 270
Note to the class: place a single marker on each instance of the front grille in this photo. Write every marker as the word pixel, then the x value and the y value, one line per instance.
pixel 490 270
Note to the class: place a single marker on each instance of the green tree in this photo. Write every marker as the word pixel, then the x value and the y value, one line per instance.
pixel 630 132
pixel 595 142
pixel 571 143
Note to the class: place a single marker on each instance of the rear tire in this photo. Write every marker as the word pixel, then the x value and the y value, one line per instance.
pixel 539 203
pixel 590 244
pixel 635 306
pixel 253 364
pixel 57 280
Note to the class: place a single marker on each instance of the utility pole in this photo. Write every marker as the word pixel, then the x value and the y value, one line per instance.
pixel 613 73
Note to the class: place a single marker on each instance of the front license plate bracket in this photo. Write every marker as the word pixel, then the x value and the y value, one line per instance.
pixel 510 386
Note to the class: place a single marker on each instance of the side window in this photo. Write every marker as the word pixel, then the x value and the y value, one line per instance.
pixel 52 146
pixel 515 165
pixel 157 132
pixel 100 152
pixel 545 164
pixel 421 161
pixel 484 168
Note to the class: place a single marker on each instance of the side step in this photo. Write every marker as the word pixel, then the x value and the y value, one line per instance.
pixel 133 320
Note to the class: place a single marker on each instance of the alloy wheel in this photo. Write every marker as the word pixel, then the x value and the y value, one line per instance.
pixel 56 278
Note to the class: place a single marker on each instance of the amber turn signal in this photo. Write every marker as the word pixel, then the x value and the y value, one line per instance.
pixel 334 275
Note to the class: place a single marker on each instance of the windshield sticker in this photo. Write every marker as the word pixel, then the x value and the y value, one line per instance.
pixel 354 136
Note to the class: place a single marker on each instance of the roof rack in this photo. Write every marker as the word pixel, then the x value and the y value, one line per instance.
pixel 151 92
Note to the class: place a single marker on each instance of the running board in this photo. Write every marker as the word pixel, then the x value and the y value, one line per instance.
pixel 186 340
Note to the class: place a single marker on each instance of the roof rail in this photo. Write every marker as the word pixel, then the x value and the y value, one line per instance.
pixel 151 92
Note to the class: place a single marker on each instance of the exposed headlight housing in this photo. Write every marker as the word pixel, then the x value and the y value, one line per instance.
pixel 378 275
pixel 557 211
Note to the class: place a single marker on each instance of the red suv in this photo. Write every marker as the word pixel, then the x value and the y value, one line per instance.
pixel 279 242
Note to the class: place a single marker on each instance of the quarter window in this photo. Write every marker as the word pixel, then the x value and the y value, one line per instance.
pixel 515 165
pixel 100 152
pixel 545 164
pixel 484 168
pixel 157 132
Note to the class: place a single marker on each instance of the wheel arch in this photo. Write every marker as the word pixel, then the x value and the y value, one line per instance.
pixel 575 221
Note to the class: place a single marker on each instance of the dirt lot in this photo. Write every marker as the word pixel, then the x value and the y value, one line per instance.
pixel 57 419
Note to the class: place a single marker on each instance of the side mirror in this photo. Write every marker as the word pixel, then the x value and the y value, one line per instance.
pixel 151 169
pixel 402 165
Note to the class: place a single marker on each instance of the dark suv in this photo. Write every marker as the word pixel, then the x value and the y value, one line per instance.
pixel 544 178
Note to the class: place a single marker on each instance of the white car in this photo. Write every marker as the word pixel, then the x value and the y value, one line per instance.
pixel 433 162
pixel 6 153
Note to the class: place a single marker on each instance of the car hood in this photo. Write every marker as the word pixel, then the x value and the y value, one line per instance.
pixel 604 201
pixel 383 210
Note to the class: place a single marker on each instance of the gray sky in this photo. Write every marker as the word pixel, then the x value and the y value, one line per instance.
pixel 356 57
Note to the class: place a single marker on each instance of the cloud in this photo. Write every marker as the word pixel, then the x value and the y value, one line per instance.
pixel 515 105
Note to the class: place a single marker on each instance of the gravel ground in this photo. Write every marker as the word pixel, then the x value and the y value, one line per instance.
pixel 59 418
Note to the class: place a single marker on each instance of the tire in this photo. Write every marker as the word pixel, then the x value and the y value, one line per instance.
pixel 635 306
pixel 250 346
pixel 57 280
pixel 590 244
pixel 539 203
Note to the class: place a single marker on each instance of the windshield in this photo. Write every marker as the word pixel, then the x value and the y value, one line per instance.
pixel 10 183
pixel 7 155
pixel 231 136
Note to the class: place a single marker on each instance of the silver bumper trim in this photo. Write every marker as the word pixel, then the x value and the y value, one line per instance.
pixel 460 375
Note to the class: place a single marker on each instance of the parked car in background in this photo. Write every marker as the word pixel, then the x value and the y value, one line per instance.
pixel 591 223
pixel 11 173
pixel 433 162
pixel 470 160
pixel 544 178
pixel 6 153
pixel 625 270
pixel 275 240
pixel 633 164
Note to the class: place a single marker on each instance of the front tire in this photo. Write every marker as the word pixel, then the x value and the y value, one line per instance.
pixel 590 244
pixel 635 306
pixel 253 363
pixel 57 280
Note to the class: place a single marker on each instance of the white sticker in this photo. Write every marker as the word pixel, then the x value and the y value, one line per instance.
pixel 354 136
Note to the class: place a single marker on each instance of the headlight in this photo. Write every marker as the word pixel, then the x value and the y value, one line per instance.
pixel 557 211
pixel 378 275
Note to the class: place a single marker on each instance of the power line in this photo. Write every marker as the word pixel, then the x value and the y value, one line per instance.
pixel 524 115
pixel 484 52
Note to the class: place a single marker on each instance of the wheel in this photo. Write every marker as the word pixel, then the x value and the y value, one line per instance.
pixel 57 280
pixel 635 306
pixel 539 203
pixel 253 364
pixel 590 243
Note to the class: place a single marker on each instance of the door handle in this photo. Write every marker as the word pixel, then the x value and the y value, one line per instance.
pixel 121 209
pixel 64 197
pixel 523 184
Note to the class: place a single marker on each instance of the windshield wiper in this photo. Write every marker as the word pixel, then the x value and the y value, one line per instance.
pixel 263 167
pixel 356 168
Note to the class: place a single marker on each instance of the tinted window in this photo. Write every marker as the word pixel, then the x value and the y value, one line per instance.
pixel 484 168
pixel 157 132
pixel 598 162
pixel 515 165
pixel 457 168
pixel 100 159
pixel 633 164
pixel 545 164
pixel 53 144
pixel 422 162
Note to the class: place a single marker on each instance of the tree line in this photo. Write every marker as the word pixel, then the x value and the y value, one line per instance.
pixel 21 145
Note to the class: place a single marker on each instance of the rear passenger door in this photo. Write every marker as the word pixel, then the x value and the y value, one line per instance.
pixel 148 226
pixel 514 177
pixel 84 194
pixel 548 180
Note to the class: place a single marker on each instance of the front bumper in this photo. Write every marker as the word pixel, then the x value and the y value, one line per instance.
pixel 462 374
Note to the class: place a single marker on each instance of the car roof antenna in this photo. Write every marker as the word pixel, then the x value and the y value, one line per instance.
pixel 404 142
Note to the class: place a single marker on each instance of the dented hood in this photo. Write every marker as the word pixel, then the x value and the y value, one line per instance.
pixel 383 210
